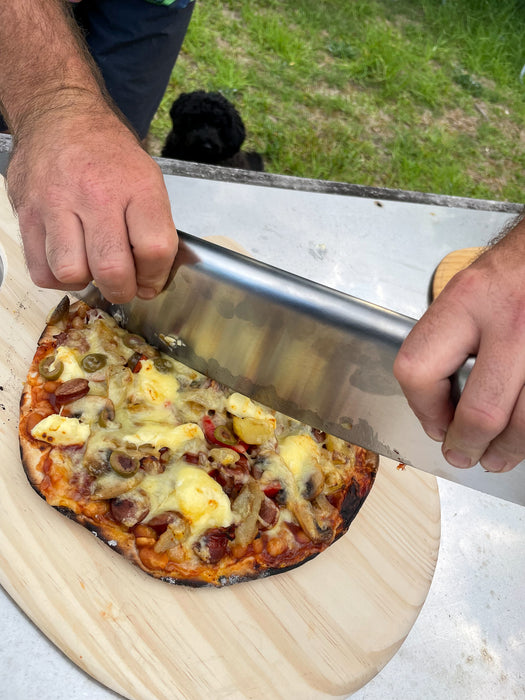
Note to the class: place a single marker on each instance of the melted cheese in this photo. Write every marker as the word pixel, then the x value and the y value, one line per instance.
pixel 301 455
pixel 60 430
pixel 89 406
pixel 154 387
pixel 69 358
pixel 159 435
pixel 191 492
pixel 243 407
pixel 120 380
pixel 102 335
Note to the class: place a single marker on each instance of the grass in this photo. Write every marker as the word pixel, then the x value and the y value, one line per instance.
pixel 412 95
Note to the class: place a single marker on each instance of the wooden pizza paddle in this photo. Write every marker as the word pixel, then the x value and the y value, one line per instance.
pixel 320 631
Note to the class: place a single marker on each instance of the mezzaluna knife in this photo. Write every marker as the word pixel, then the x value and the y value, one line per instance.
pixel 313 353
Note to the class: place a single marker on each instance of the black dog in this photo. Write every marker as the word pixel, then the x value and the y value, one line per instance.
pixel 206 128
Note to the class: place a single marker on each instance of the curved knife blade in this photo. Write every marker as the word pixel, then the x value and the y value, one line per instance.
pixel 313 353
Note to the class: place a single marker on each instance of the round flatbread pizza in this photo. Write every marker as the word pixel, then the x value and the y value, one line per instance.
pixel 190 481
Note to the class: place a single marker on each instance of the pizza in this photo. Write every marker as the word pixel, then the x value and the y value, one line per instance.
pixel 190 481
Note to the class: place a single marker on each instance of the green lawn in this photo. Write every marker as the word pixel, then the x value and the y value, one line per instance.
pixel 395 93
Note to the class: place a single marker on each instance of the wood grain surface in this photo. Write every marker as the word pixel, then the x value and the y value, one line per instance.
pixel 320 631
pixel 453 262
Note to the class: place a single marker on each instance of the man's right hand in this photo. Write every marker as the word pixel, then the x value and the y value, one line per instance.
pixel 92 205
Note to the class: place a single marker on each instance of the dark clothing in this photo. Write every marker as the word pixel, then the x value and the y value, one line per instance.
pixel 135 44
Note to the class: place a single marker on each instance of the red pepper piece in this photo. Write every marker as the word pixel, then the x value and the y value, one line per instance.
pixel 272 488
pixel 209 429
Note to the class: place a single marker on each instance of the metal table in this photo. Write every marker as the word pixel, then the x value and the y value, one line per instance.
pixel 382 246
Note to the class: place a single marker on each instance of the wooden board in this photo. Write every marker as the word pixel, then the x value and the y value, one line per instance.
pixel 452 263
pixel 320 631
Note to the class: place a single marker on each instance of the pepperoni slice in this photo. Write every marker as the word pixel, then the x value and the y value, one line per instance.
pixel 71 390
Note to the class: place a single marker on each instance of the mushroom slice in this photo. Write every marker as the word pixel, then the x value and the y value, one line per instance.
pixel 111 485
pixel 311 522
pixel 175 533
pixel 247 506
pixel 313 485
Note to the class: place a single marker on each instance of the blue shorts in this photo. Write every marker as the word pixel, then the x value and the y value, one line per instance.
pixel 135 44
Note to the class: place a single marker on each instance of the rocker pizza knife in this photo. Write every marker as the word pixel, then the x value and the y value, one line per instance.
pixel 313 353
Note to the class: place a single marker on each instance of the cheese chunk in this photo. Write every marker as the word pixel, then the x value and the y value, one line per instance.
pixel 159 435
pixel 191 492
pixel 243 407
pixel 152 386
pixel 251 422
pixel 61 430
pixel 301 455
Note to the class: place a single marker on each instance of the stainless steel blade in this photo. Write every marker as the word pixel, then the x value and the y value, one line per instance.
pixel 313 353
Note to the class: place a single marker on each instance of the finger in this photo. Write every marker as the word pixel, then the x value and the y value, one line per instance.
pixel 154 240
pixel 65 249
pixel 508 449
pixel 487 401
pixel 425 363
pixel 33 234
pixel 109 255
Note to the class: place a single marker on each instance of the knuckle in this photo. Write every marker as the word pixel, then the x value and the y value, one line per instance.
pixel 148 171
pixel 96 194
pixel 115 275
pixel 158 252
pixel 467 283
pixel 69 273
pixel 65 267
pixel 109 251
pixel 485 419
pixel 516 310
pixel 407 371
pixel 28 217
pixel 64 273
pixel 54 197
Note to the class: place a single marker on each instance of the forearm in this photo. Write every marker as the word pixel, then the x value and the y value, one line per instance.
pixel 43 62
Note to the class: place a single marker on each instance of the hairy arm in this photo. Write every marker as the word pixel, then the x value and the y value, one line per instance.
pixel 480 312
pixel 91 203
